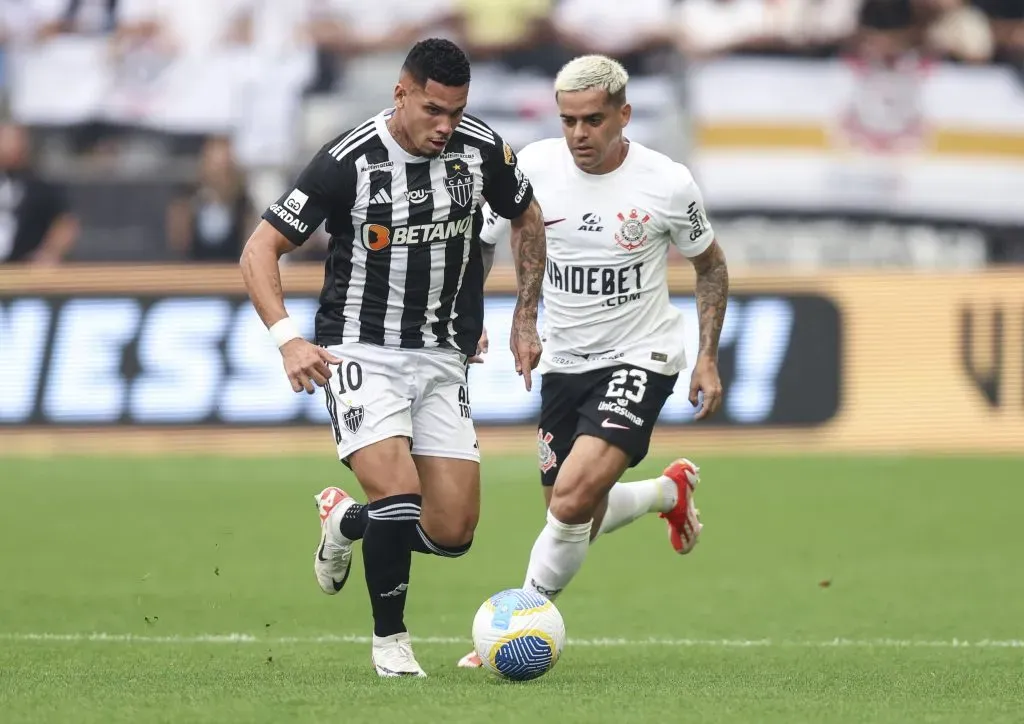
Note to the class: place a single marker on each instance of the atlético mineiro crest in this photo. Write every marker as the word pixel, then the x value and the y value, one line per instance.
pixel 353 419
pixel 458 181
pixel 546 455
pixel 633 232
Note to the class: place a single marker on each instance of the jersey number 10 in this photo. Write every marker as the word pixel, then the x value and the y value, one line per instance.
pixel 351 373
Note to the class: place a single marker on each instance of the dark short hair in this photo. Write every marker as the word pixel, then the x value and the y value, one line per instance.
pixel 439 60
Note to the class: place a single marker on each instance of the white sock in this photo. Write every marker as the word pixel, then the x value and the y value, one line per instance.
pixel 557 555
pixel 629 501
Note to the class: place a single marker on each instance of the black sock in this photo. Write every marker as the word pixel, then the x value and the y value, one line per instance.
pixel 420 542
pixel 387 559
pixel 353 523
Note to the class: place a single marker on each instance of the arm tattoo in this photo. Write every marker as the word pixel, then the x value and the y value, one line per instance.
pixel 712 296
pixel 529 250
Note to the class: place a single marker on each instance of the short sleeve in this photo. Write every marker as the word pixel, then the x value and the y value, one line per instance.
pixel 507 190
pixel 325 187
pixel 688 221
pixel 496 230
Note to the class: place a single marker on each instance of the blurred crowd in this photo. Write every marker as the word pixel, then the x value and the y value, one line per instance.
pixel 535 33
pixel 296 51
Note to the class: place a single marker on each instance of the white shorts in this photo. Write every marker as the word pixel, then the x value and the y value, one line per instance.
pixel 421 394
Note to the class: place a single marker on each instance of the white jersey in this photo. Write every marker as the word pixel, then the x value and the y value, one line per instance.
pixel 606 296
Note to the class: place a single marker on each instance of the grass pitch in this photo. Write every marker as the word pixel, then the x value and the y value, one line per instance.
pixel 181 590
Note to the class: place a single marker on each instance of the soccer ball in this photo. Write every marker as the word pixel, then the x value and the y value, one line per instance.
pixel 518 634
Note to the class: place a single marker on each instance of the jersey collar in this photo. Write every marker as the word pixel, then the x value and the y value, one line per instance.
pixel 395 151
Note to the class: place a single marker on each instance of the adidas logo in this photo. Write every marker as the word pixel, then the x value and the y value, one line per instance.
pixel 381 197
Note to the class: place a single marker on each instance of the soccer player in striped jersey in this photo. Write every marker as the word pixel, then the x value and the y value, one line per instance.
pixel 400 315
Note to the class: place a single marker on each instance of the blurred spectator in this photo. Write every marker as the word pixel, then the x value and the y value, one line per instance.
pixel 517 34
pixel 491 28
pixel 714 27
pixel 178 66
pixel 36 224
pixel 184 27
pixel 1007 18
pixel 369 42
pixel 955 29
pixel 351 29
pixel 211 220
pixel 60 41
pixel 279 65
pixel 76 17
pixel 949 29
pixel 18 19
pixel 629 33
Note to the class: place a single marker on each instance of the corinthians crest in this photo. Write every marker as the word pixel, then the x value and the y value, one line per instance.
pixel 545 454
pixel 458 181
pixel 633 232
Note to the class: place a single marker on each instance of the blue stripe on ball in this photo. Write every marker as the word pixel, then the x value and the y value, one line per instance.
pixel 523 658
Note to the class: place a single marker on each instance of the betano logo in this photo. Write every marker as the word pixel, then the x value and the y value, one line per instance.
pixel 377 237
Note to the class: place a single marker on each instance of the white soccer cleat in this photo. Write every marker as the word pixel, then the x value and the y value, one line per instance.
pixel 684 524
pixel 392 657
pixel 471 661
pixel 333 557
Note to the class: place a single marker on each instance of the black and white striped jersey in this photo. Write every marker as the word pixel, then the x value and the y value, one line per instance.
pixel 404 266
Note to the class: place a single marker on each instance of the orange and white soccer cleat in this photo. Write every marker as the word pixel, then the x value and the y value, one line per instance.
pixel 684 524
pixel 471 661
pixel 333 557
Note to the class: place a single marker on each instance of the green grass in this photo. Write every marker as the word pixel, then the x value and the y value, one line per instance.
pixel 915 550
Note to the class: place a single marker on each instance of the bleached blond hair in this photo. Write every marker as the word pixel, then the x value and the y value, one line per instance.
pixel 593 71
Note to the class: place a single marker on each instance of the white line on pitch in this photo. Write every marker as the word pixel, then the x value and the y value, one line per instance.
pixel 242 638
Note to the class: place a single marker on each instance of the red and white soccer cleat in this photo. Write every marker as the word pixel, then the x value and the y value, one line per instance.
pixel 684 524
pixel 471 661
pixel 333 556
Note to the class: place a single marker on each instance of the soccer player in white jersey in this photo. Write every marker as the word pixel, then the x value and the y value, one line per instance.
pixel 612 341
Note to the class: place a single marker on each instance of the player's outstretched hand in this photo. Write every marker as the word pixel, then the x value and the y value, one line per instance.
pixel 481 349
pixel 705 382
pixel 525 345
pixel 306 364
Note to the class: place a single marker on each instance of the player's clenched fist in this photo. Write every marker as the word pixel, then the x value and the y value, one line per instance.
pixel 705 383
pixel 481 349
pixel 306 364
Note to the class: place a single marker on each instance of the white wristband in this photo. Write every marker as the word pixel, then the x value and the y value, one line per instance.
pixel 284 331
